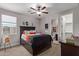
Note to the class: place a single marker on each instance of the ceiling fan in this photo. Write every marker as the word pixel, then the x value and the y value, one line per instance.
pixel 39 10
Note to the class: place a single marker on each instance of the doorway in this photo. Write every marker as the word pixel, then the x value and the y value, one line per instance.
pixel 54 31
pixel 66 25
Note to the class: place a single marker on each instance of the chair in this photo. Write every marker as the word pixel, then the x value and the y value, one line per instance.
pixel 6 41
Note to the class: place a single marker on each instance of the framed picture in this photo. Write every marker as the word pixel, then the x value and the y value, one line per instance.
pixel 46 26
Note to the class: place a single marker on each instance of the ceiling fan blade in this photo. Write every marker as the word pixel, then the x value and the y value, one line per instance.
pixel 45 12
pixel 43 8
pixel 33 8
pixel 33 12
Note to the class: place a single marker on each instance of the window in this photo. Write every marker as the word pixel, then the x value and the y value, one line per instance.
pixel 67 25
pixel 9 24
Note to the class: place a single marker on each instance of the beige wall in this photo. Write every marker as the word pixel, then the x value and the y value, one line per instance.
pixel 47 20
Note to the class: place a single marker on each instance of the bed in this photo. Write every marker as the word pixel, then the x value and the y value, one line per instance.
pixel 35 43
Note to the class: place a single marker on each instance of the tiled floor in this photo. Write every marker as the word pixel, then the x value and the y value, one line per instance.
pixel 55 50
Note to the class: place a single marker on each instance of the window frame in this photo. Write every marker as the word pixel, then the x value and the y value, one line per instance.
pixel 9 26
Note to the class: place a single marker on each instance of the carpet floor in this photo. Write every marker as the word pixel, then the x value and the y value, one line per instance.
pixel 55 50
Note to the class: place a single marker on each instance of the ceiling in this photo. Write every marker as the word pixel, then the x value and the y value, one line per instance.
pixel 23 8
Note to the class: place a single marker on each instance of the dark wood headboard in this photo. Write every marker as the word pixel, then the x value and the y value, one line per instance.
pixel 22 28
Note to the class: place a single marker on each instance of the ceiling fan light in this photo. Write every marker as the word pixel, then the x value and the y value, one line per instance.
pixel 38 12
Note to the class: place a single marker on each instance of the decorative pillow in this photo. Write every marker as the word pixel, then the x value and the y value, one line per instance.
pixel 32 33
pixel 26 32
pixel 27 38
pixel 23 36
pixel 23 32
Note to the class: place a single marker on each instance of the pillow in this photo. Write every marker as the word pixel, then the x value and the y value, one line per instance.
pixel 26 32
pixel 27 38
pixel 23 32
pixel 26 35
pixel 32 33
pixel 23 36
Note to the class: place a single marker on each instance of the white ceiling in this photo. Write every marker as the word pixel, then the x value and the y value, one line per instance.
pixel 24 7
